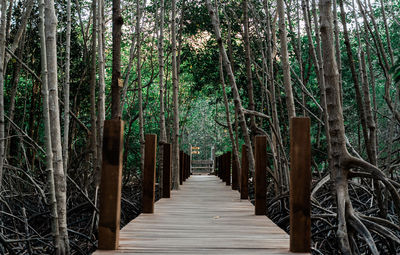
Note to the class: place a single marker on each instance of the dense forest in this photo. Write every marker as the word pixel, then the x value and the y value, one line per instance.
pixel 212 74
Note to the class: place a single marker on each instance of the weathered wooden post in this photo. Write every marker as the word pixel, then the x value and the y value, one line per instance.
pixel 235 184
pixel 180 167
pixel 186 167
pixel 110 186
pixel 228 168
pixel 149 173
pixel 220 167
pixel 167 170
pixel 223 168
pixel 260 175
pixel 244 175
pixel 300 185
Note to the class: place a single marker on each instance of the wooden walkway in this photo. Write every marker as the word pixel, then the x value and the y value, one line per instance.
pixel 204 217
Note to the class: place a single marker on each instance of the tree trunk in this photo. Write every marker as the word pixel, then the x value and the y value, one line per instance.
pixel 2 74
pixel 232 81
pixel 102 86
pixel 285 61
pixel 117 22
pixel 139 82
pixel 228 118
pixel 47 134
pixel 59 174
pixel 163 131
pixel 249 77
pixel 93 81
pixel 66 87
pixel 342 161
pixel 175 138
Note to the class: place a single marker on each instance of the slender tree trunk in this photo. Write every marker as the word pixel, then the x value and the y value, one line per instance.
pixel 2 74
pixel 276 136
pixel 232 81
pixel 47 134
pixel 360 106
pixel 249 77
pixel 66 87
pixel 116 60
pixel 93 81
pixel 285 61
pixel 139 82
pixel 163 131
pixel 228 118
pixel 337 47
pixel 175 138
pixel 388 40
pixel 102 86
pixel 13 94
pixel 59 174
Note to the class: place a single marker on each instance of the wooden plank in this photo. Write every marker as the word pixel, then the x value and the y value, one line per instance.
pixel 167 166
pixel 300 185
pixel 260 175
pixel 202 162
pixel 110 186
pixel 149 173
pixel 197 221
pixel 244 175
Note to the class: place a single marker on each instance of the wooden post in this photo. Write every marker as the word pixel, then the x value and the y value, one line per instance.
pixel 180 167
pixel 219 166
pixel 149 173
pixel 244 175
pixel 260 175
pixel 167 170
pixel 223 167
pixel 228 168
pixel 235 184
pixel 300 185
pixel 188 165
pixel 110 186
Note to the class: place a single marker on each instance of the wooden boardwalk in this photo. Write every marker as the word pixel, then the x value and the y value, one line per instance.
pixel 204 217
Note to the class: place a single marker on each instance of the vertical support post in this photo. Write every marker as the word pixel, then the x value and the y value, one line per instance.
pixel 235 176
pixel 223 168
pixel 187 166
pixel 180 167
pixel 228 168
pixel 300 185
pixel 220 167
pixel 190 158
pixel 149 173
pixel 213 159
pixel 167 170
pixel 244 175
pixel 221 163
pixel 110 186
pixel 217 166
pixel 260 175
